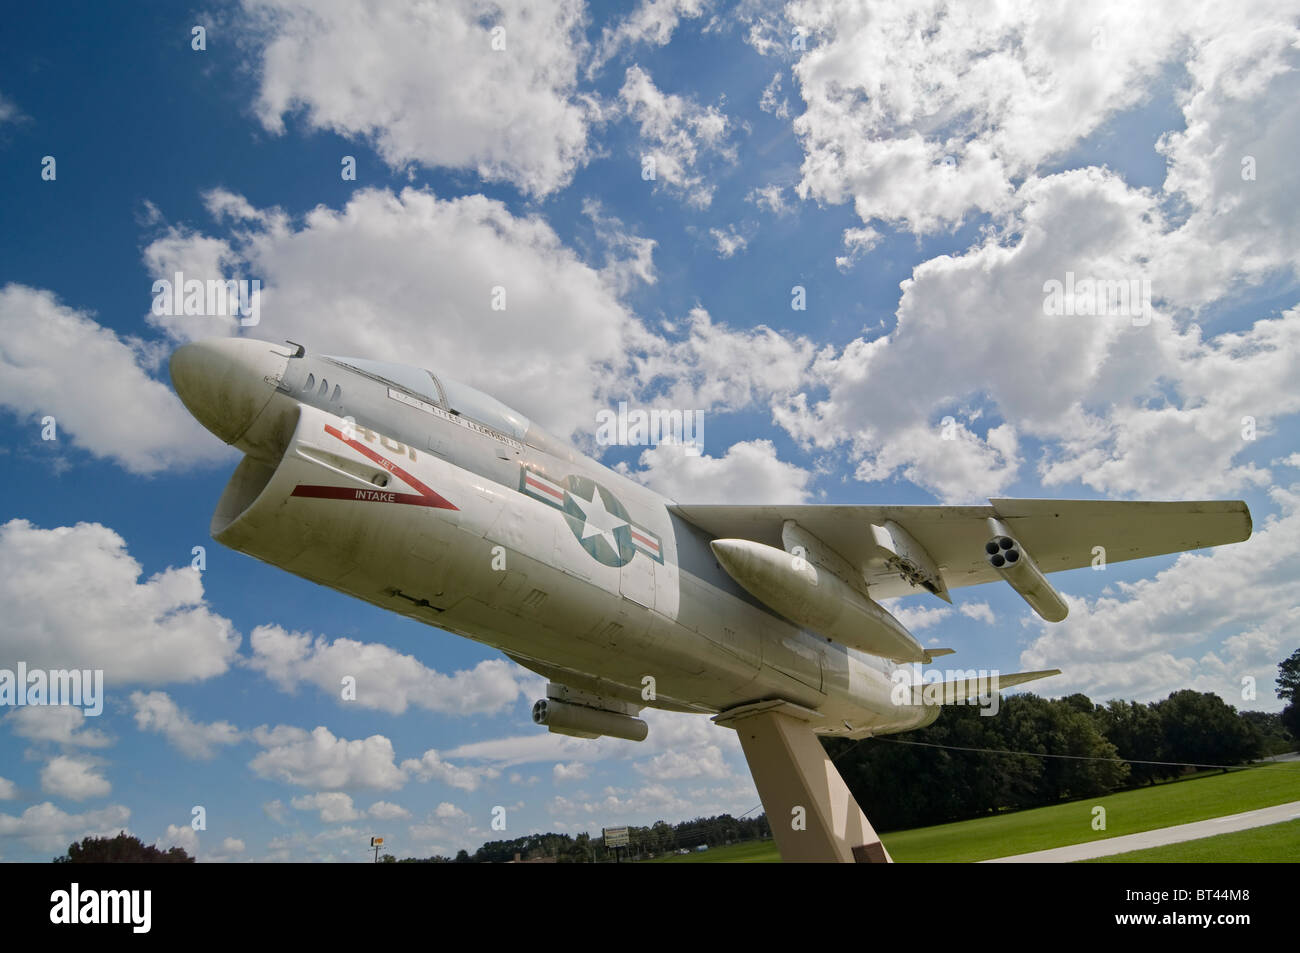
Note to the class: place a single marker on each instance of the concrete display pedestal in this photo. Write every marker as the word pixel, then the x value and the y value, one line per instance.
pixel 813 816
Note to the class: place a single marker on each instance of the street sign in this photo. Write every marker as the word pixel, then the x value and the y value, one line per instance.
pixel 616 836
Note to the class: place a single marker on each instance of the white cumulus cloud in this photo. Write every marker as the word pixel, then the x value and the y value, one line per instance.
pixel 150 632
pixel 318 759
pixel 57 362
pixel 46 828
pixel 58 724
pixel 385 678
pixel 157 712
pixel 75 778
pixel 423 82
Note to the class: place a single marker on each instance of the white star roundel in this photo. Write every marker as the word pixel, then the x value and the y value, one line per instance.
pixel 598 520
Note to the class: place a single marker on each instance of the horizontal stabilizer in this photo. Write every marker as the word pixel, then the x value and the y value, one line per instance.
pixel 958 690
pixel 932 654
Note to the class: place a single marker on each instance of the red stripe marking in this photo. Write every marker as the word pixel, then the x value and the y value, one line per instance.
pixel 530 480
pixel 646 540
pixel 368 496
pixel 423 497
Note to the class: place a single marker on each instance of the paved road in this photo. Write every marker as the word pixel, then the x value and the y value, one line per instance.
pixel 1158 837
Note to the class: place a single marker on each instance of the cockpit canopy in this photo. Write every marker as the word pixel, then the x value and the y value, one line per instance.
pixel 442 392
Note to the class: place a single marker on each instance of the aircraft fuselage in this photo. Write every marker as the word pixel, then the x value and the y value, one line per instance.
pixel 431 500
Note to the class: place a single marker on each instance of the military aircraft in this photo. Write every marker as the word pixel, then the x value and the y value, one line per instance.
pixel 403 487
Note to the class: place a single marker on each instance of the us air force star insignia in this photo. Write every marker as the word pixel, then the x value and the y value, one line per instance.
pixel 598 520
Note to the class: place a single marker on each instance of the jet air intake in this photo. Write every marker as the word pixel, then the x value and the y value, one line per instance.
pixel 583 722
pixel 1012 561
pixel 816 598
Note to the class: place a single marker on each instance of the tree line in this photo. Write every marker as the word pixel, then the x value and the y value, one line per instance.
pixel 659 838
pixel 1062 749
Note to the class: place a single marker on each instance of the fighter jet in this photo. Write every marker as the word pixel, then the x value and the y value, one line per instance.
pixel 406 488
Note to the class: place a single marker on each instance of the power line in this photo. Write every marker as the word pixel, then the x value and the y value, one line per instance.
pixel 1071 757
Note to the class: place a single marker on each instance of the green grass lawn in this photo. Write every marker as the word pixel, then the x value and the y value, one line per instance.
pixel 750 852
pixel 1127 812
pixel 1276 842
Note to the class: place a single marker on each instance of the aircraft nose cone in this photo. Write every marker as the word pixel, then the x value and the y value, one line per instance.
pixel 226 382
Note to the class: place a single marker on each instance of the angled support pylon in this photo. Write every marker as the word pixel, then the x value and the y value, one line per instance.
pixel 813 816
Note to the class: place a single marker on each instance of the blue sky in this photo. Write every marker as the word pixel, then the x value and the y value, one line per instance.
pixel 918 174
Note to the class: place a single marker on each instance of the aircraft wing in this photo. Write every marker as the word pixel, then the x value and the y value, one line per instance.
pixel 1059 534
